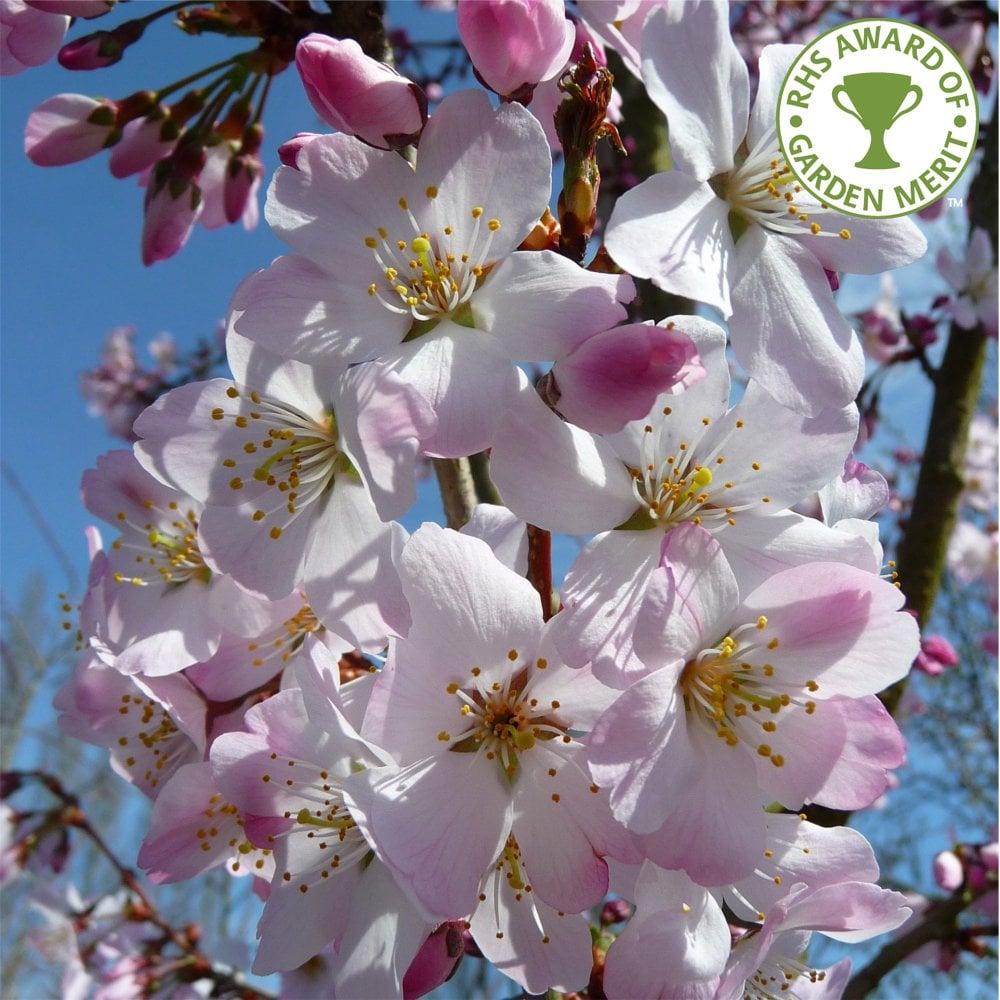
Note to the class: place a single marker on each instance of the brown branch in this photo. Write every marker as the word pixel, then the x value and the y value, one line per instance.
pixel 939 924
pixel 922 551
pixel 458 491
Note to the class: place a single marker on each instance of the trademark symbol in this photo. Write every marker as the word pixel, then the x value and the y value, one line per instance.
pixel 956 203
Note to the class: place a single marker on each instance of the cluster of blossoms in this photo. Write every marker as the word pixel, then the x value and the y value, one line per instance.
pixel 393 733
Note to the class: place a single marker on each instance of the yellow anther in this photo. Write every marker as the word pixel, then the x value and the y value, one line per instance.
pixel 845 234
pixel 371 242
pixel 232 392
pixel 493 225
pixel 815 228
pixel 477 212
pixel 432 191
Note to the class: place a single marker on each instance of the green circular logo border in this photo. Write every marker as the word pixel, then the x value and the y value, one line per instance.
pixel 875 20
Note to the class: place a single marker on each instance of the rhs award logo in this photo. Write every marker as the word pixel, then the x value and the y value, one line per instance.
pixel 877 118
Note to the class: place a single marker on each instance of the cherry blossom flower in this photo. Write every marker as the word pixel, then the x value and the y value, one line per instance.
pixel 677 942
pixel 769 959
pixel 749 701
pixel 387 253
pixel 289 771
pixel 151 727
pixel 764 272
pixel 689 460
pixel 158 606
pixel 285 458
pixel 482 720
pixel 975 279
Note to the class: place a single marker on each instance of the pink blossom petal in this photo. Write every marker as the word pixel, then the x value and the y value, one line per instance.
pixel 383 422
pixel 837 625
pixel 696 76
pixel 439 843
pixel 538 947
pixel 536 456
pixel 676 944
pixel 467 379
pixel 673 229
pixel 787 331
pixel 541 306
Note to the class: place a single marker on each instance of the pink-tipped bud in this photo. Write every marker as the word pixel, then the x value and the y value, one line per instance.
pixel 948 871
pixel 239 193
pixel 359 95
pixel 936 655
pixel 615 376
pixel 288 152
pixel 173 204
pixel 68 128
pixel 436 961
pixel 141 145
pixel 515 44
pixel 101 48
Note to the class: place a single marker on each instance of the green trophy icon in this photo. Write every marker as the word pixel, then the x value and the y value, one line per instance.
pixel 877 100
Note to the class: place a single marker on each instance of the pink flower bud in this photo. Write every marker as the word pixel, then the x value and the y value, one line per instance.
pixel 615 376
pixel 515 44
pixel 140 146
pixel 288 152
pixel 358 95
pixel 948 871
pixel 101 48
pixel 935 656
pixel 436 961
pixel 30 37
pixel 173 205
pixel 67 128
pixel 239 192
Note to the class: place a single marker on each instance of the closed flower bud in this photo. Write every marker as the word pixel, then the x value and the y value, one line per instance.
pixel 358 95
pixel 515 44
pixel 67 128
pixel 948 871
pixel 101 48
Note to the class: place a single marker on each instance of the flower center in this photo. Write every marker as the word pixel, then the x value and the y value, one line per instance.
pixel 276 648
pixel 165 547
pixel 502 719
pixel 763 190
pixel 287 461
pixel 731 688
pixel 776 978
pixel 430 275
pixel 676 482
pixel 327 840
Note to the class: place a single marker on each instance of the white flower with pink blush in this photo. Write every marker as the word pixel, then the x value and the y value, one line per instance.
pixel 690 459
pixel 485 725
pixel 728 226
pixel 299 468
pixel 974 277
pixel 288 772
pixel 418 266
pixel 748 700
pixel 156 605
